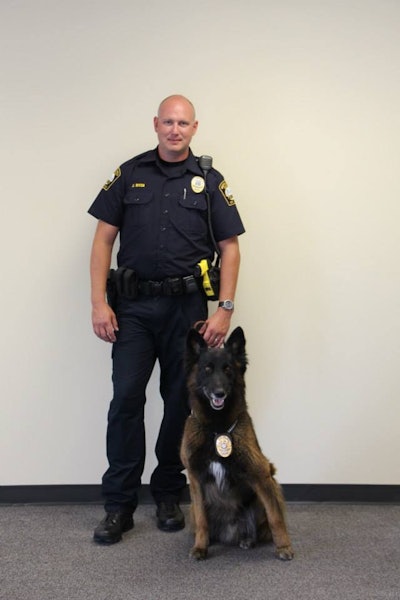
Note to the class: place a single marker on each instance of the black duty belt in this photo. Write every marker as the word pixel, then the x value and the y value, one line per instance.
pixel 171 286
pixel 125 282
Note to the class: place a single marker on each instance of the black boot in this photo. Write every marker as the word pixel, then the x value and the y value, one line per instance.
pixel 111 528
pixel 169 516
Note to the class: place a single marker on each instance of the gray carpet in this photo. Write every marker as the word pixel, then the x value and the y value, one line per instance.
pixel 343 552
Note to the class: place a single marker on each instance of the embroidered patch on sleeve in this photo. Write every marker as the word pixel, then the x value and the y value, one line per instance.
pixel 115 176
pixel 227 193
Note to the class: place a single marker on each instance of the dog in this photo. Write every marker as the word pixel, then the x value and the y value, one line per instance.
pixel 235 498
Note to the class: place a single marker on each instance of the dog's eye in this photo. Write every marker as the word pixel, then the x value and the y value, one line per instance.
pixel 208 369
pixel 228 369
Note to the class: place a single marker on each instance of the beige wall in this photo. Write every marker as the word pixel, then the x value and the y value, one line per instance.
pixel 298 103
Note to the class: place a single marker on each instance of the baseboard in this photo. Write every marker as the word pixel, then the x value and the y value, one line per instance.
pixel 86 494
pixel 341 493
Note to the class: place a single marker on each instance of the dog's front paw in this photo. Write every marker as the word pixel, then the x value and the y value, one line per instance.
pixel 198 553
pixel 247 543
pixel 284 553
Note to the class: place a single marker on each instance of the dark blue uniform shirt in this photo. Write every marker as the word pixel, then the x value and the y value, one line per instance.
pixel 161 211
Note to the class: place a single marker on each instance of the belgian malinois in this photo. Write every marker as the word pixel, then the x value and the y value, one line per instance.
pixel 234 496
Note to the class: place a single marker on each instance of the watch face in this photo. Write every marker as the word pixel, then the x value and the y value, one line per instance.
pixel 228 304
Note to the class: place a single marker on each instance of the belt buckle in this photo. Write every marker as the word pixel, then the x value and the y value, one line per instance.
pixel 156 288
pixel 173 286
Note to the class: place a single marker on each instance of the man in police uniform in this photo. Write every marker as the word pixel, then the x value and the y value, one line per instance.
pixel 156 202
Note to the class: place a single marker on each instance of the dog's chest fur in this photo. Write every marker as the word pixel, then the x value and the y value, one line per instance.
pixel 217 470
pixel 224 481
pixel 220 493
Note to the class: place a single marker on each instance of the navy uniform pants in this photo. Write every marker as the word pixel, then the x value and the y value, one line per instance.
pixel 150 328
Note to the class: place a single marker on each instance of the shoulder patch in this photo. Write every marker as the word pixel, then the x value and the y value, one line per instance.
pixel 109 182
pixel 227 193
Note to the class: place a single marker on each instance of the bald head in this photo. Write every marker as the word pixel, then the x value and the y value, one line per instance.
pixel 175 125
pixel 177 99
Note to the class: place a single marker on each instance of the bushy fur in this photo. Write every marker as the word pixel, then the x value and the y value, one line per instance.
pixel 236 499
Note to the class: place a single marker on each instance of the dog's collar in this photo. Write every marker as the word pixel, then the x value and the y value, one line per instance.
pixel 232 427
pixel 229 431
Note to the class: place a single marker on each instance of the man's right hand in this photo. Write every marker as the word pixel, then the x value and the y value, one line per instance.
pixel 104 322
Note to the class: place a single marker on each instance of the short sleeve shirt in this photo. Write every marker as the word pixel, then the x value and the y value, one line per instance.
pixel 161 212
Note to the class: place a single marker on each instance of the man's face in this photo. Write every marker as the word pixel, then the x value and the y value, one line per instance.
pixel 175 126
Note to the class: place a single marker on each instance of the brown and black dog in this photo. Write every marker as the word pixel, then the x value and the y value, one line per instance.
pixel 234 496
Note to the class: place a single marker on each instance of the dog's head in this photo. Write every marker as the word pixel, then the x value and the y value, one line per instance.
pixel 216 374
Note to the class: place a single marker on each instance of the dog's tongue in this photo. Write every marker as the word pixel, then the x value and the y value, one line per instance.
pixel 218 402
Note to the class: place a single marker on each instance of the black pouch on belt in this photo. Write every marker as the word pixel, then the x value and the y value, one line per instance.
pixel 215 275
pixel 111 290
pixel 122 282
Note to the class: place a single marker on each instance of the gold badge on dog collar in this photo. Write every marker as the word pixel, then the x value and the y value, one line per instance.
pixel 223 445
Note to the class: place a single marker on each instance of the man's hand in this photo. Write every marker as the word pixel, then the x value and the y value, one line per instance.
pixel 216 327
pixel 103 317
pixel 104 322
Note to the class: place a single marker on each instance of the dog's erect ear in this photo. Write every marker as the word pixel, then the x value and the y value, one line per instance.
pixel 194 344
pixel 236 340
pixel 237 345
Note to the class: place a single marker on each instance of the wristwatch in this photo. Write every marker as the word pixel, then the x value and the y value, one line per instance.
pixel 226 304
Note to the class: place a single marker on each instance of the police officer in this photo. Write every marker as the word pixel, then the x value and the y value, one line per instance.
pixel 156 202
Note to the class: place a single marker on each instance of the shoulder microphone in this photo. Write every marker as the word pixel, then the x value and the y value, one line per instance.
pixel 205 163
